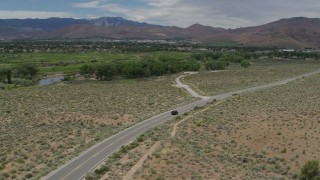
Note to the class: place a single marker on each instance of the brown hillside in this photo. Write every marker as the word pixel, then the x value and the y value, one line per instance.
pixel 293 32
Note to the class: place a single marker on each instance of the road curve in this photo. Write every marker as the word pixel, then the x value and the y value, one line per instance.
pixel 188 88
pixel 86 161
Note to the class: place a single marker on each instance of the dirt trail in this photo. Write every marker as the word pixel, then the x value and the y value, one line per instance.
pixel 188 88
pixel 175 127
pixel 139 164
pixel 103 149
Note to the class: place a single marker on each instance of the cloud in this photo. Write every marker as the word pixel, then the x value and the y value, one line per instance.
pixel 91 4
pixel 169 12
pixel 6 14
pixel 161 3
pixel 218 13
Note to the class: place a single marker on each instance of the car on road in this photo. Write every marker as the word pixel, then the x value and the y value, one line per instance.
pixel 174 112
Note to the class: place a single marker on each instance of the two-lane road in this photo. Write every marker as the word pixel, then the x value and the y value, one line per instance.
pixel 79 166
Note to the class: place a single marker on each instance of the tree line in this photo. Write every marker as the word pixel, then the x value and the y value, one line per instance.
pixel 138 69
pixel 220 61
pixel 116 46
pixel 294 54
pixel 20 74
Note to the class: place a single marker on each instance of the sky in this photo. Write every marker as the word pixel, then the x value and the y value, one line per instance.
pixel 182 13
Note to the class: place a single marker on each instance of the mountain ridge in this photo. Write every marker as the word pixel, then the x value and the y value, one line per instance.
pixel 55 23
pixel 287 32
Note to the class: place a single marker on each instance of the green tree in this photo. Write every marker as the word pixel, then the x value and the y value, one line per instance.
pixel 3 74
pixel 157 69
pixel 190 65
pixel 173 67
pixel 245 63
pixel 216 65
pixel 197 56
pixel 310 171
pixel 27 71
pixel 106 71
pixel 237 58
pixel 87 69
pixel 9 76
pixel 6 75
pixel 133 70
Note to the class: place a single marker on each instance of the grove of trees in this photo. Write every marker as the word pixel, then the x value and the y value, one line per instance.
pixel 20 74
pixel 138 69
pixel 220 61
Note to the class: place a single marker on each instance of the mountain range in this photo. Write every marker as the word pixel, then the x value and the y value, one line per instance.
pixel 292 32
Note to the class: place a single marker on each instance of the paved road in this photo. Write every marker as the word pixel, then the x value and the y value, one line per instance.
pixel 79 166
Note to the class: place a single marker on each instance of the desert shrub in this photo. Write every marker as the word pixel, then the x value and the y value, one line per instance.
pixel 29 175
pixel 102 170
pixel 5 175
pixel 13 176
pixel 13 171
pixel 21 161
pixel 140 138
pixel 91 176
pixel 133 145
pixel 116 156
pixel 284 150
pixel 310 171
pixel 123 149
pixel 2 166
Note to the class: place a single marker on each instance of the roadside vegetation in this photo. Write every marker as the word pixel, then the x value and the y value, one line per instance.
pixel 261 72
pixel 41 128
pixel 269 134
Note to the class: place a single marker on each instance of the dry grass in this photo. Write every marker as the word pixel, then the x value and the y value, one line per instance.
pixel 43 127
pixel 122 163
pixel 261 72
pixel 268 134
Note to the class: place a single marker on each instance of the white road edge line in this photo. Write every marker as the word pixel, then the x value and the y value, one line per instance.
pixel 203 98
